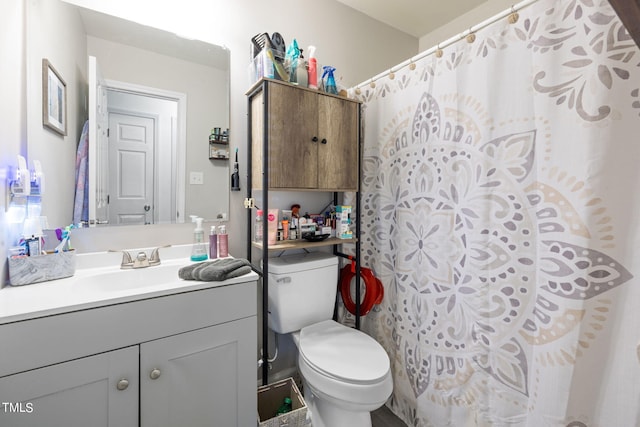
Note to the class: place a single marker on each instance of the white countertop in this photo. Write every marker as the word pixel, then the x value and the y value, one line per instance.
pixel 76 293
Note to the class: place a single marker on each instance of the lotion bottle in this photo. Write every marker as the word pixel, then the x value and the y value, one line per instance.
pixel 223 242
pixel 213 243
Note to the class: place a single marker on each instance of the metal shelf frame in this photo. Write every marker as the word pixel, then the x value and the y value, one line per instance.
pixel 264 87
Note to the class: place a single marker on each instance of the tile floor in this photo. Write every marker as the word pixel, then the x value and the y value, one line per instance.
pixel 383 417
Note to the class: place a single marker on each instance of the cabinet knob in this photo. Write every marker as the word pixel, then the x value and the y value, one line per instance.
pixel 154 374
pixel 324 141
pixel 122 384
pixel 314 139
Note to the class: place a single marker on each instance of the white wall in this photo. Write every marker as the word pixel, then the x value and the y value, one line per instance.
pixel 463 23
pixel 356 45
pixel 52 34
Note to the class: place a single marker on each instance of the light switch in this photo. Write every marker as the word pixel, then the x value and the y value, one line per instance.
pixel 196 178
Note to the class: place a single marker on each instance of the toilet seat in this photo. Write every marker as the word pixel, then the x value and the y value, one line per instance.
pixel 343 354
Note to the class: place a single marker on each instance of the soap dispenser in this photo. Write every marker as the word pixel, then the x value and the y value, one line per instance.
pixel 199 250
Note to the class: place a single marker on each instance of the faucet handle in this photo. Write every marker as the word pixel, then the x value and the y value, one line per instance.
pixel 155 254
pixel 126 256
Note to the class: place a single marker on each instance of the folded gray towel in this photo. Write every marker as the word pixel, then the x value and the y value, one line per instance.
pixel 216 270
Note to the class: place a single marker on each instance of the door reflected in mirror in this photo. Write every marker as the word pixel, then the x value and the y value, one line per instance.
pixel 139 160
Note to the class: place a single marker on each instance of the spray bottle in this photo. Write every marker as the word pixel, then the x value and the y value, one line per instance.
pixel 330 83
pixel 313 64
pixel 199 249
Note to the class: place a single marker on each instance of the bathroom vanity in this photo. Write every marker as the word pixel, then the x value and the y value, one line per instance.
pixel 76 352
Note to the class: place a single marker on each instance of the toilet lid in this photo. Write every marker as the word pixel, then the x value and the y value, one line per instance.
pixel 343 353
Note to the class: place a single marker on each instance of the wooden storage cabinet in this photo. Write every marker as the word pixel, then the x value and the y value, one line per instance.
pixel 312 139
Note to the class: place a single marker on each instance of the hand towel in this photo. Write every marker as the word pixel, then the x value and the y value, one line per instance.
pixel 216 270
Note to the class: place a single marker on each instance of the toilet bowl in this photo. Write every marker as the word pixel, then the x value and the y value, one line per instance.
pixel 345 373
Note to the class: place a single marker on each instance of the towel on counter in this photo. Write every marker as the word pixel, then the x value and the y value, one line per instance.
pixel 216 270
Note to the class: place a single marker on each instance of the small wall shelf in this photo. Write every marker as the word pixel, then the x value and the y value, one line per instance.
pixel 218 149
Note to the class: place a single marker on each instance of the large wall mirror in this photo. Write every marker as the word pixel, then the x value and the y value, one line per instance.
pixel 150 99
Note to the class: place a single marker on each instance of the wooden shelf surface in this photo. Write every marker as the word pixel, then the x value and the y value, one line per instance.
pixel 302 244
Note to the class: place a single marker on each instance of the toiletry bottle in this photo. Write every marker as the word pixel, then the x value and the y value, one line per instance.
pixel 301 71
pixel 223 242
pixel 285 407
pixel 259 232
pixel 213 243
pixel 285 229
pixel 292 230
pixel 199 250
pixel 279 235
pixel 313 75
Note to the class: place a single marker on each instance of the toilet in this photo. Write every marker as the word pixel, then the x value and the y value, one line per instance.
pixel 345 373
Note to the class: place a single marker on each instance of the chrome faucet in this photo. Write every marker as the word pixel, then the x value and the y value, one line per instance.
pixel 141 260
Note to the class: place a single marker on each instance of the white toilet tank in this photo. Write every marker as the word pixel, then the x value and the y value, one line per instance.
pixel 302 290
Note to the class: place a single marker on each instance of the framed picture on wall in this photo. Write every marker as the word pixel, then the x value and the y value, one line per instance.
pixel 54 99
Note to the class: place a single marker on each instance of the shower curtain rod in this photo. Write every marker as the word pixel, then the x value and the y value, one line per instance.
pixel 449 41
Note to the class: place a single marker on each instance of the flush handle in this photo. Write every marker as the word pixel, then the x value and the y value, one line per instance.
pixel 154 374
pixel 122 384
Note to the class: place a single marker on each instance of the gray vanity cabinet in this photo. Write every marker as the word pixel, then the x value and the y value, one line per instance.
pixel 186 359
pixel 198 378
pixel 77 393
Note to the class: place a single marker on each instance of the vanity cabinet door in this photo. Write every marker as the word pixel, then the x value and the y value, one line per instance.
pixel 99 390
pixel 206 377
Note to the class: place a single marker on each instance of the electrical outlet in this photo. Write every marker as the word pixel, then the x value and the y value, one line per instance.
pixel 196 178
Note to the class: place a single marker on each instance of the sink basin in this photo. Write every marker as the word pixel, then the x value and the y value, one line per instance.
pixel 131 279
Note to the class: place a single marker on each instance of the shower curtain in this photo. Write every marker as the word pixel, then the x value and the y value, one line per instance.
pixel 501 210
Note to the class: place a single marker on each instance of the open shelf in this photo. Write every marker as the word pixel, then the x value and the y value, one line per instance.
pixel 302 244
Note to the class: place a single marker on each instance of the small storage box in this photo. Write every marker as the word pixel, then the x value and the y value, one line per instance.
pixel 271 396
pixel 33 269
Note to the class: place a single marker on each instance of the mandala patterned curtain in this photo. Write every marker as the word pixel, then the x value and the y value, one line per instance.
pixel 501 210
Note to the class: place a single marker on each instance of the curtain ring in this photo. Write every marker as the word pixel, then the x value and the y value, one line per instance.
pixel 392 75
pixel 412 66
pixel 513 16
pixel 372 84
pixel 439 51
pixel 358 91
pixel 471 37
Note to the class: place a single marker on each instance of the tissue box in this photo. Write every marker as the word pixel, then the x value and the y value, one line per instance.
pixel 33 269
pixel 271 396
